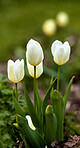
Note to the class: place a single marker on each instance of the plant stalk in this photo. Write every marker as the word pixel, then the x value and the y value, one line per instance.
pixel 58 78
pixel 16 91
pixel 35 85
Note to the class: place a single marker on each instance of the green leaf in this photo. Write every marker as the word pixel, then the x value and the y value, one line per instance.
pixel 18 107
pixel 50 125
pixel 18 133
pixel 45 101
pixel 1 144
pixel 39 104
pixel 67 93
pixel 57 102
pixel 33 139
pixel 31 109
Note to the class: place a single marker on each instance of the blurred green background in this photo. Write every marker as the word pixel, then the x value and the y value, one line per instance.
pixel 21 20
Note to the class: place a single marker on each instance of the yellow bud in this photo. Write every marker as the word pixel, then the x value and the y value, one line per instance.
pixel 62 19
pixel 49 27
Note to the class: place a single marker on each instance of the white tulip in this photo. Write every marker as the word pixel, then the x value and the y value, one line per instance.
pixel 49 27
pixel 39 69
pixel 62 19
pixel 30 122
pixel 34 53
pixel 60 52
pixel 15 70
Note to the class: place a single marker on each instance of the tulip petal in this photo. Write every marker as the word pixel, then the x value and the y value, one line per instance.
pixel 59 54
pixel 11 72
pixel 30 122
pixel 34 53
pixel 39 69
pixel 55 45
pixel 16 70
pixel 66 52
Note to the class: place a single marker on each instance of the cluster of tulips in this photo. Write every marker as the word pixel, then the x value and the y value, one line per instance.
pixel 43 123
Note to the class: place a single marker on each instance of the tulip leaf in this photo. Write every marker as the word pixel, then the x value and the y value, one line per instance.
pixel 31 109
pixel 39 102
pixel 18 107
pixel 1 144
pixel 33 139
pixel 67 93
pixel 57 102
pixel 16 130
pixel 45 101
pixel 50 125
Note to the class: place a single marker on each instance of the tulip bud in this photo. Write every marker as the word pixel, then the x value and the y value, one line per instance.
pixel 39 69
pixel 62 19
pixel 16 125
pixel 60 52
pixel 30 122
pixel 49 27
pixel 34 53
pixel 16 70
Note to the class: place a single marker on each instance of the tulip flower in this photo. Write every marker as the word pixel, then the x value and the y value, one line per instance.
pixel 34 53
pixel 30 122
pixel 49 27
pixel 62 19
pixel 60 52
pixel 16 70
pixel 39 69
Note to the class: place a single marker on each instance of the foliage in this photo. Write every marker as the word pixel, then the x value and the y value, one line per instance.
pixel 71 127
pixel 48 120
pixel 7 113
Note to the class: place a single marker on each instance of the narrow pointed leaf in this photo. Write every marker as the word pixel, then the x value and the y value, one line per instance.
pixel 17 132
pixel 18 107
pixel 45 101
pixel 39 104
pixel 33 139
pixel 50 125
pixel 57 102
pixel 38 99
pixel 67 92
pixel 1 144
pixel 31 109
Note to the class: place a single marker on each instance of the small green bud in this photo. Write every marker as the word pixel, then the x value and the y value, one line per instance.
pixel 49 110
pixel 16 125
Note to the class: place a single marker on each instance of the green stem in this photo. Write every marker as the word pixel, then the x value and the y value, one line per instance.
pixel 58 78
pixel 16 91
pixel 35 99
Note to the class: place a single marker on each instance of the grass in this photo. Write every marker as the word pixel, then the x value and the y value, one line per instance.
pixel 22 20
